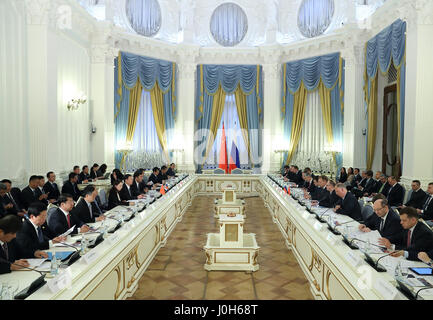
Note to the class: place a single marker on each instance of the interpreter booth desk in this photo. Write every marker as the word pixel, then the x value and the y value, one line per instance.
pixel 323 257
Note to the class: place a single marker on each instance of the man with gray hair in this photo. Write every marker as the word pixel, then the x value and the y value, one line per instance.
pixel 349 206
pixel 382 185
pixel 385 220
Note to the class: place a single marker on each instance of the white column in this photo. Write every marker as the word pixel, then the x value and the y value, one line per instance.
pixel 102 104
pixel 39 89
pixel 418 150
pixel 184 124
pixel 272 122
pixel 355 121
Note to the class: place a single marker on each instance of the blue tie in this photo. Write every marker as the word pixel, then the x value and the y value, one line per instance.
pixel 40 235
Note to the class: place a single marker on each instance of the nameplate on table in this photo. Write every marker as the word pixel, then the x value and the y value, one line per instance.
pixel 353 259
pixel 61 281
pixel 305 215
pixel 114 238
pixel 318 226
pixel 386 289
pixel 90 256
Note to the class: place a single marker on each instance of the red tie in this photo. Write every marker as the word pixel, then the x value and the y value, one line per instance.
pixel 69 221
pixel 408 239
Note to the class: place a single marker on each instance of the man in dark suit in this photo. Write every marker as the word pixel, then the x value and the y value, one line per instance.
pixel 416 237
pixel 382 185
pixel 51 188
pixel 162 176
pixel 128 192
pixel 3 189
pixel 62 220
pixel 71 187
pixel 357 177
pixel 137 186
pixel 84 209
pixel 386 221
pixel 427 208
pixel 76 170
pixel 40 190
pixel 417 196
pixel 396 192
pixel 35 234
pixel 31 193
pixel 349 205
pixel 84 176
pixel 370 185
pixel 153 178
pixel 10 201
pixel 297 175
pixel 308 186
pixel 171 170
pixel 9 249
pixel 332 200
pixel 321 192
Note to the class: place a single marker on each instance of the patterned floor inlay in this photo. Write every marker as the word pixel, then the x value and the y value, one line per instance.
pixel 177 271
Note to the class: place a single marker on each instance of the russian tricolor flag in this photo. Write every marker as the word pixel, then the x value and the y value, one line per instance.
pixel 234 158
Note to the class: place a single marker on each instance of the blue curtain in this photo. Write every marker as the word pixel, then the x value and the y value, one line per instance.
pixel 148 71
pixel 389 46
pixel 311 71
pixel 249 78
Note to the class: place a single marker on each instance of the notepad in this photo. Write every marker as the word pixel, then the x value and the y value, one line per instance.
pixel 62 255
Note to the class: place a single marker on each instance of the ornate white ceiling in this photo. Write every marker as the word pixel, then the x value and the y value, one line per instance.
pixel 269 21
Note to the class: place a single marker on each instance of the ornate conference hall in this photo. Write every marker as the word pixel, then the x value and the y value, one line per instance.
pixel 228 150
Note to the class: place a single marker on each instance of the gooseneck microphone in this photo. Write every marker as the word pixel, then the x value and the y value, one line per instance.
pixel 20 265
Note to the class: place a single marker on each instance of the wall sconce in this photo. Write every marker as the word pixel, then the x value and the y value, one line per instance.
pixel 74 104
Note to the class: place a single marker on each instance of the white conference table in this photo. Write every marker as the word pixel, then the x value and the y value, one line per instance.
pixel 334 270
pixel 114 267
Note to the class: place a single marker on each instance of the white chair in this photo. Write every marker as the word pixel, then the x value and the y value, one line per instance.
pixel 51 208
pixel 78 201
pixel 408 195
pixel 102 197
pixel 361 203
pixel 219 171
pixel 237 171
pixel 366 212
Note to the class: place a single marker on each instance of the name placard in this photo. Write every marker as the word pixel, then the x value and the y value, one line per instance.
pixel 60 281
pixel 90 256
pixel 353 259
pixel 114 238
pixel 386 289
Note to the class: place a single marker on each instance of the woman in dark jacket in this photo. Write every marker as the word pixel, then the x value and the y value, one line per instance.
pixel 101 172
pixel 114 199
pixel 116 175
pixel 93 171
pixel 343 175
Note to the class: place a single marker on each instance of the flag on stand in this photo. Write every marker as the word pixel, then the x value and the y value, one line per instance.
pixel 223 152
pixel 162 190
pixel 234 158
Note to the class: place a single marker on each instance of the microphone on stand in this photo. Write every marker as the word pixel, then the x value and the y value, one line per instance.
pixel 119 224
pixel 35 285
pixel 73 257
pixel 320 218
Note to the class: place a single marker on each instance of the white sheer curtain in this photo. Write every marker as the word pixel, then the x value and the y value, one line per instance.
pixel 144 16
pixel 229 24
pixel 310 152
pixel 315 16
pixel 232 127
pixel 147 149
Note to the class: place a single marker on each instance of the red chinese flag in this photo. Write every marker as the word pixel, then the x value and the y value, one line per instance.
pixel 162 191
pixel 223 152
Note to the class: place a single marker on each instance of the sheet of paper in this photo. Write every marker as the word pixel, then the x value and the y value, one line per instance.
pixel 44 267
pixel 34 263
pixel 68 232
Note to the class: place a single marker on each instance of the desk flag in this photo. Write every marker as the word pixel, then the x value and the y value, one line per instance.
pixel 234 158
pixel 223 152
pixel 162 190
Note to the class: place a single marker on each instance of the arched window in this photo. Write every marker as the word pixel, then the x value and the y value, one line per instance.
pixel 315 16
pixel 144 16
pixel 229 24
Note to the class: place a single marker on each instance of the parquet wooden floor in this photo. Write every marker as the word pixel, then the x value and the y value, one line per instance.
pixel 177 271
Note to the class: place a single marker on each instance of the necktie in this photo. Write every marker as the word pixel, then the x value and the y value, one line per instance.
pixel 40 235
pixel 97 207
pixel 90 209
pixel 5 249
pixel 129 191
pixel 69 220
pixel 381 188
pixel 408 238
pixel 382 222
pixel 427 203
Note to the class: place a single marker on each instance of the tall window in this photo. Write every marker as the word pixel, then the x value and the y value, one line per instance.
pixel 147 148
pixel 229 24
pixel 315 17
pixel 230 118
pixel 144 16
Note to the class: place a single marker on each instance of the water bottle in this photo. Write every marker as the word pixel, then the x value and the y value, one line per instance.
pixel 83 246
pixel 103 229
pixel 54 270
pixel 368 246
pixel 397 272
